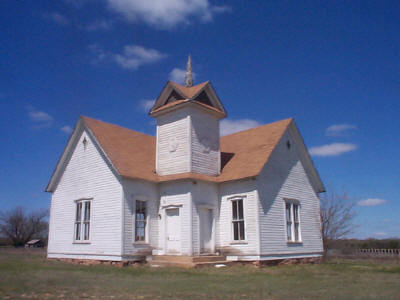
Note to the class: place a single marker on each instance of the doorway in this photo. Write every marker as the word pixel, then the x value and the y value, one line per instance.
pixel 173 233
pixel 206 226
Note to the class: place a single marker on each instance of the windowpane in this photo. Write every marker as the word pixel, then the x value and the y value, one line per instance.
pixel 289 231
pixel 288 214
pixel 78 211
pixel 86 236
pixel 140 220
pixel 296 212
pixel 241 231
pixel 236 231
pixel 82 220
pixel 234 210
pixel 240 204
pixel 87 211
pixel 78 231
pixel 292 211
pixel 296 232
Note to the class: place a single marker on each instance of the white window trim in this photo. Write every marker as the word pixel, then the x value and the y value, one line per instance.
pixel 236 198
pixel 291 202
pixel 147 228
pixel 82 241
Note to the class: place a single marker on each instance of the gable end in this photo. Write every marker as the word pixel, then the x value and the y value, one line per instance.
pixel 69 149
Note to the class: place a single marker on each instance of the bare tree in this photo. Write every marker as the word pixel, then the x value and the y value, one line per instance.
pixel 337 216
pixel 20 227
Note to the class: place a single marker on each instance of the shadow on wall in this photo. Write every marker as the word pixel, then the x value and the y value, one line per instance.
pixel 275 174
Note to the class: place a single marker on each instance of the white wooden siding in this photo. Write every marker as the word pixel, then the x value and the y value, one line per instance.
pixel 86 175
pixel 284 177
pixel 146 191
pixel 205 143
pixel 204 194
pixel 197 135
pixel 177 194
pixel 173 127
pixel 247 190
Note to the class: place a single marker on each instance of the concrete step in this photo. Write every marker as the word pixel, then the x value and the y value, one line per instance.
pixel 172 258
pixel 208 258
pixel 162 264
pixel 186 261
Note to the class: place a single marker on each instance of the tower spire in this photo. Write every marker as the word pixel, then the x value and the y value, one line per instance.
pixel 189 74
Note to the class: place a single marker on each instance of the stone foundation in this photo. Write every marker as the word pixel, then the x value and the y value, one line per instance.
pixel 88 262
pixel 289 261
pixel 257 263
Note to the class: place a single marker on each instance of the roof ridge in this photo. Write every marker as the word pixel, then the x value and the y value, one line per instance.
pixel 112 124
pixel 289 120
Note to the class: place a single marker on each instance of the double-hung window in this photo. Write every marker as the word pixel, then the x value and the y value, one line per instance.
pixel 238 220
pixel 82 220
pixel 140 221
pixel 292 210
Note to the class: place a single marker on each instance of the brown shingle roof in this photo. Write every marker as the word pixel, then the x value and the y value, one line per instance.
pixel 132 153
pixel 243 154
pixel 186 94
pixel 189 92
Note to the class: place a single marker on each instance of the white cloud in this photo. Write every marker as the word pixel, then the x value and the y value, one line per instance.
pixel 371 202
pixel 334 149
pixel 57 18
pixel 340 129
pixel 133 56
pixel 66 129
pixel 177 75
pixel 146 104
pixel 166 13
pixel 40 119
pixel 232 126
pixel 39 116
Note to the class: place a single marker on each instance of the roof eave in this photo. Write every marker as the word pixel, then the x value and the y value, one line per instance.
pixel 187 102
pixel 62 158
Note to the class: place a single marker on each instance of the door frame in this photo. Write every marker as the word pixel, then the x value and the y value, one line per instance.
pixel 165 225
pixel 213 226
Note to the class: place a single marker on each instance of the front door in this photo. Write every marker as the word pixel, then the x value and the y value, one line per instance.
pixel 173 231
pixel 206 223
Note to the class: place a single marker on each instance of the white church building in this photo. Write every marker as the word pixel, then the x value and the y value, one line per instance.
pixel 121 195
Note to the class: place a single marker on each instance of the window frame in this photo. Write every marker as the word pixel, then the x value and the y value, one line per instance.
pixel 239 220
pixel 83 221
pixel 293 221
pixel 145 200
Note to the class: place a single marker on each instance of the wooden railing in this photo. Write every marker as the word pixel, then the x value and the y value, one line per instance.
pixel 379 252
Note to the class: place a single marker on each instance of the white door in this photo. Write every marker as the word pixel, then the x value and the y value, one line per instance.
pixel 173 231
pixel 206 223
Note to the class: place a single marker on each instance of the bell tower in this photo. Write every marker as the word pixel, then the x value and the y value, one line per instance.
pixel 188 138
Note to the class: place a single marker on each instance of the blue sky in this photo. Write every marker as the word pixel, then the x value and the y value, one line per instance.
pixel 332 65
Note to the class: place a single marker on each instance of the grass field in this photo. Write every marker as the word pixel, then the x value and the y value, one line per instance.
pixel 27 274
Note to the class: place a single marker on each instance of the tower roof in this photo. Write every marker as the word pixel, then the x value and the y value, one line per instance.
pixel 174 95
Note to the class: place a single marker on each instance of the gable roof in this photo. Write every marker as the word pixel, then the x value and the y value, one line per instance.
pixel 133 154
pixel 174 94
pixel 189 92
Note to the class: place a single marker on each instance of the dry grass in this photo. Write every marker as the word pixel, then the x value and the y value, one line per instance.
pixel 27 274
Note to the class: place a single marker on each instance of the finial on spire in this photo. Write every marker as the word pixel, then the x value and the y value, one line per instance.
pixel 189 74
